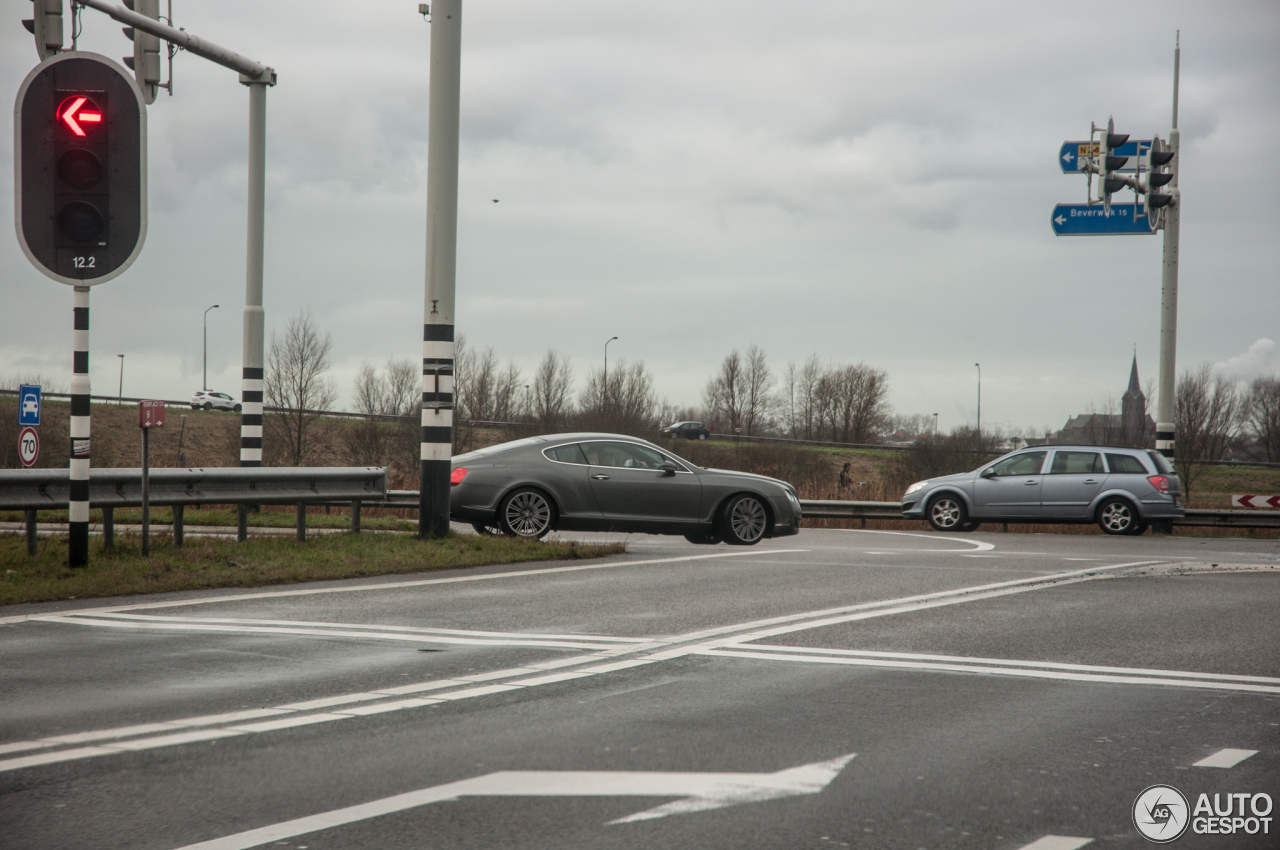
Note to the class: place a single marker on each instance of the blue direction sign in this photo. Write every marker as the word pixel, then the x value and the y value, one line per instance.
pixel 1090 220
pixel 28 405
pixel 1072 153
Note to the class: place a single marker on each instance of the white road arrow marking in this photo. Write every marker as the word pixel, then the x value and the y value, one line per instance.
pixel 1060 220
pixel 701 791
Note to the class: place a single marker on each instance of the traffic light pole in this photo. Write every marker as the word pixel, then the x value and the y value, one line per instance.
pixel 252 375
pixel 442 248
pixel 78 498
pixel 1165 414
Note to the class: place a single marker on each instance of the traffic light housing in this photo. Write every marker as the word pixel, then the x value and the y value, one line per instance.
pixel 1109 181
pixel 1159 173
pixel 45 24
pixel 81 199
pixel 145 60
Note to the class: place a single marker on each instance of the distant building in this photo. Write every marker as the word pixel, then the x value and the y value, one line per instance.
pixel 1132 426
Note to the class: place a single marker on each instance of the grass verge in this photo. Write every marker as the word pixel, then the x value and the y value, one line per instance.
pixel 213 562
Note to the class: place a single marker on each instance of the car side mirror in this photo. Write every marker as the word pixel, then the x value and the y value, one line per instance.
pixel 669 467
pixel 989 472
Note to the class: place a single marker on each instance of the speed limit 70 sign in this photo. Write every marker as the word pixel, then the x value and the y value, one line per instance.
pixel 29 446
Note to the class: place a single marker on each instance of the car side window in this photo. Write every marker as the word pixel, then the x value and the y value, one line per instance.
pixel 1126 464
pixel 1027 463
pixel 626 455
pixel 571 453
pixel 1076 463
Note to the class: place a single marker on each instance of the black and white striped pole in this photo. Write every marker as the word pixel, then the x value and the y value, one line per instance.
pixel 251 376
pixel 442 244
pixel 78 549
pixel 1166 408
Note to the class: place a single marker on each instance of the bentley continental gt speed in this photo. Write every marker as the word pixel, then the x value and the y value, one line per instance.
pixel 610 482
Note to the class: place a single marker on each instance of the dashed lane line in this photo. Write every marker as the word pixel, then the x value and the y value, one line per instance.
pixel 1225 758
pixel 1057 842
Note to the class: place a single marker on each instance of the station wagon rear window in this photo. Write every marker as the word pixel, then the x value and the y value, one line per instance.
pixel 1126 464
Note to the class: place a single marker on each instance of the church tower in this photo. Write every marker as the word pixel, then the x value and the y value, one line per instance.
pixel 1133 408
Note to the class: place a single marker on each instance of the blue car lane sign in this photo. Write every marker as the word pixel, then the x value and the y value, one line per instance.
pixel 1091 220
pixel 28 405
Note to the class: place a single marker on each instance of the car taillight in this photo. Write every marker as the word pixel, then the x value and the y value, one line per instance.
pixel 1159 482
pixel 455 477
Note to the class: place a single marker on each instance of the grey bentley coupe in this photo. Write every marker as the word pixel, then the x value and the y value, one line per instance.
pixel 608 482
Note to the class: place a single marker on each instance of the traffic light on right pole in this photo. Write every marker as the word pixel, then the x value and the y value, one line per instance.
pixel 1109 181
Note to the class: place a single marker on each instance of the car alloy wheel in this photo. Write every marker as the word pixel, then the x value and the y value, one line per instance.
pixel 946 513
pixel 208 405
pixel 744 521
pixel 526 513
pixel 236 408
pixel 1116 516
pixel 702 436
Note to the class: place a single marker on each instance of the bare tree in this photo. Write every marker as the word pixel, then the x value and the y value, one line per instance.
pixel 296 384
pixel 758 382
pixel 1263 415
pixel 807 396
pixel 626 403
pixel 1208 413
pixel 726 392
pixel 396 391
pixel 552 390
pixel 853 401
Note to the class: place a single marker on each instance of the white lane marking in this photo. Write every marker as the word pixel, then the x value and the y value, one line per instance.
pixel 1057 842
pixel 1051 665
pixel 367 588
pixel 699 792
pixel 1084 559
pixel 1225 758
pixel 462 633
pixel 888 606
pixel 978 545
pixel 182 625
pixel 990 670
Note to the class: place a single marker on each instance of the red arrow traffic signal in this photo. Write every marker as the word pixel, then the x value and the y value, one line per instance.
pixel 78 110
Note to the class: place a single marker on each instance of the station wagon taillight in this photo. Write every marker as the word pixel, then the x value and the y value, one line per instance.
pixel 455 477
pixel 1160 482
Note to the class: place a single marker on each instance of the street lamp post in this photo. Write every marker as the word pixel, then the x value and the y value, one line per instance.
pixel 935 426
pixel 120 391
pixel 979 365
pixel 204 383
pixel 604 386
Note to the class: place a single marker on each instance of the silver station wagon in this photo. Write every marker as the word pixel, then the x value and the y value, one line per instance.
pixel 1121 489
pixel 609 482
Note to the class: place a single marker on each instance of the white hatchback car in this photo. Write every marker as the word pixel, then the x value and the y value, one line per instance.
pixel 209 400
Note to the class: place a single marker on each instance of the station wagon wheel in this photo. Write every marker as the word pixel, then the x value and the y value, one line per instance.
pixel 946 513
pixel 526 513
pixel 1117 516
pixel 744 522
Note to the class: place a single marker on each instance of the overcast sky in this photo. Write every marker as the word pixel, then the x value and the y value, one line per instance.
pixel 864 181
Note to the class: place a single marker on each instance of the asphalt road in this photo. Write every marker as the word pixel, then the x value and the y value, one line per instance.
pixel 834 689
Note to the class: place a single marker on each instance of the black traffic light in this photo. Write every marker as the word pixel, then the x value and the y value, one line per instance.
pixel 145 60
pixel 1108 164
pixel 82 168
pixel 45 24
pixel 1159 173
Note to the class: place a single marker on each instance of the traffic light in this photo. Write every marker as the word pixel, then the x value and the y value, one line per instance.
pixel 1159 173
pixel 82 167
pixel 46 25
pixel 145 60
pixel 1108 165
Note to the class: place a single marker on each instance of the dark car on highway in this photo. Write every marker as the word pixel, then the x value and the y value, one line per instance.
pixel 1121 489
pixel 687 430
pixel 609 482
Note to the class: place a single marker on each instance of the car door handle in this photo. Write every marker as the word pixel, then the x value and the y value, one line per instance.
pixel 1091 481
pixel 1030 482
pixel 600 477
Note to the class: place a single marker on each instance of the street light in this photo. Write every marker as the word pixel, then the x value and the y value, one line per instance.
pixel 120 392
pixel 204 383
pixel 935 425
pixel 604 387
pixel 979 365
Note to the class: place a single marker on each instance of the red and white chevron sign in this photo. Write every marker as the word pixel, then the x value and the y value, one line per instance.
pixel 1252 500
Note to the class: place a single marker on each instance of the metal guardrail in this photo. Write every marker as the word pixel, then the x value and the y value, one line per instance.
pixel 33 490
